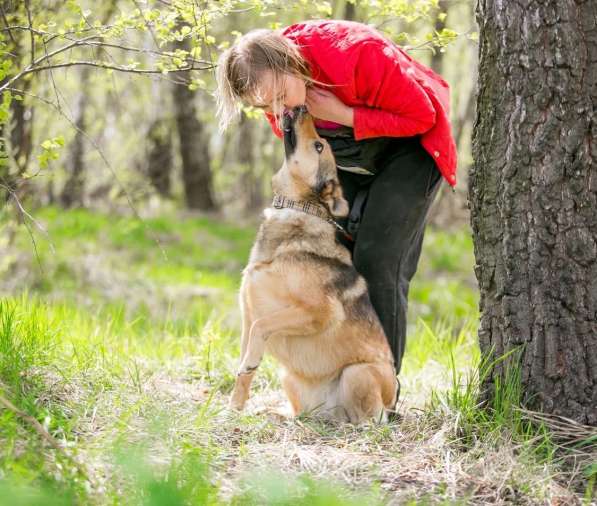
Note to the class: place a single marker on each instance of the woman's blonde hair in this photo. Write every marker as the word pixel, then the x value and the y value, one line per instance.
pixel 241 67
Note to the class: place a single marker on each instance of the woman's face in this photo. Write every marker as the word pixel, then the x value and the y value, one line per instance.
pixel 291 92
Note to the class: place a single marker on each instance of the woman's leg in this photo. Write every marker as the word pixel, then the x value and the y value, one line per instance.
pixel 390 236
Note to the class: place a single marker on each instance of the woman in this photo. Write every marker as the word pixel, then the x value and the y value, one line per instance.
pixel 385 117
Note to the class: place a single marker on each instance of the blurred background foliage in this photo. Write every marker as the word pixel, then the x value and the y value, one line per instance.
pixel 109 104
pixel 126 218
pixel 117 187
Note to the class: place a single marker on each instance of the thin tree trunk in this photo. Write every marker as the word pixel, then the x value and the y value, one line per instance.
pixel 437 58
pixel 196 172
pixel 159 156
pixel 72 192
pixel 16 136
pixel 533 197
pixel 74 189
pixel 21 133
pixel 194 150
pixel 251 181
pixel 350 11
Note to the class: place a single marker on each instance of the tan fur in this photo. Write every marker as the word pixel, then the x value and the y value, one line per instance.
pixel 303 301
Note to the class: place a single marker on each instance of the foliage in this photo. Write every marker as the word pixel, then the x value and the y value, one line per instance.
pixel 147 46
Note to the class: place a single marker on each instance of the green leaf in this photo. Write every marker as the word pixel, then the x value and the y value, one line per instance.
pixel 5 107
pixel 50 150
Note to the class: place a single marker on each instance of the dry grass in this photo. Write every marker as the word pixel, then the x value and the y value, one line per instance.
pixel 418 458
pixel 134 373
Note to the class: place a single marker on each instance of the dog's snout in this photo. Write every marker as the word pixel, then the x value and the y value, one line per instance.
pixel 288 120
pixel 292 115
pixel 300 110
pixel 289 134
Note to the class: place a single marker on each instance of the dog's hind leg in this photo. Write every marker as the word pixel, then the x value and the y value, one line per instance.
pixel 360 393
pixel 293 392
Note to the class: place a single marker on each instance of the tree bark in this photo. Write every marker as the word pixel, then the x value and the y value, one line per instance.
pixel 72 192
pixel 194 151
pixel 251 181
pixel 159 156
pixel 74 189
pixel 16 135
pixel 350 11
pixel 533 197
pixel 437 58
pixel 21 134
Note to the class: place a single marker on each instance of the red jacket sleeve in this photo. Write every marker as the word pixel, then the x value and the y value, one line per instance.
pixel 396 104
pixel 272 121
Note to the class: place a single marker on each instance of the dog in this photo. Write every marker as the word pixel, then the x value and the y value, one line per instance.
pixel 303 301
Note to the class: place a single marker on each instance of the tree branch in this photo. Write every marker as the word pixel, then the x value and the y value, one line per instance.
pixel 30 31
pixel 147 51
pixel 100 65
pixel 6 21
pixel 34 66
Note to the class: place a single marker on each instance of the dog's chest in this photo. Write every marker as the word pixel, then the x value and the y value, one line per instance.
pixel 291 232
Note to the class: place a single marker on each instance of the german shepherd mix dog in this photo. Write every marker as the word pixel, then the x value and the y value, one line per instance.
pixel 303 301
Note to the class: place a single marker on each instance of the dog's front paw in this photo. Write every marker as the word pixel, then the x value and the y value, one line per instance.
pixel 237 401
pixel 240 394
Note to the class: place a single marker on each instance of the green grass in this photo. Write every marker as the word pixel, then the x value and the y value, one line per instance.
pixel 124 344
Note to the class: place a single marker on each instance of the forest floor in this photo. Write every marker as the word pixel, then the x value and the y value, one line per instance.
pixel 119 340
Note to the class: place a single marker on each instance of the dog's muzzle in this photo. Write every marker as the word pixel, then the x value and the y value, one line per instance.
pixel 291 116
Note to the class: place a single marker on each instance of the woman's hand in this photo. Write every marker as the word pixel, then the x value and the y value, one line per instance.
pixel 323 104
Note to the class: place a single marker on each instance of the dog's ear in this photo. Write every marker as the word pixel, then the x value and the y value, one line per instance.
pixel 330 194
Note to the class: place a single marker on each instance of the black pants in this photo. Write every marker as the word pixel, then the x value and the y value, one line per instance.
pixel 390 233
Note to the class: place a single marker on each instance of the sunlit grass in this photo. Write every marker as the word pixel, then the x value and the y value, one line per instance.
pixel 123 343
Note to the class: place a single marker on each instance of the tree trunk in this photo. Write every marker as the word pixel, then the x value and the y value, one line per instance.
pixel 196 173
pixel 437 58
pixel 194 151
pixel 16 135
pixel 72 192
pixel 533 197
pixel 159 156
pixel 350 11
pixel 251 182
pixel 21 133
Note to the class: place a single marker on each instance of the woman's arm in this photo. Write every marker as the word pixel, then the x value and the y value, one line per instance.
pixel 396 105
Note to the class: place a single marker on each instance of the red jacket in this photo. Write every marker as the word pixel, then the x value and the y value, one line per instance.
pixel 392 95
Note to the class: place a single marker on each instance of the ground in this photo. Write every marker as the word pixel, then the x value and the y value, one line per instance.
pixel 120 337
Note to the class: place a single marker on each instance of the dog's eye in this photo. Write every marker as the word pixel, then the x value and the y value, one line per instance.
pixel 318 146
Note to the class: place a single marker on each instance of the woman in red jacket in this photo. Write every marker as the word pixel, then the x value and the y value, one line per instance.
pixel 385 117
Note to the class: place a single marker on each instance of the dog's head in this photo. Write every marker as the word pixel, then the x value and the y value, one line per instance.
pixel 309 171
